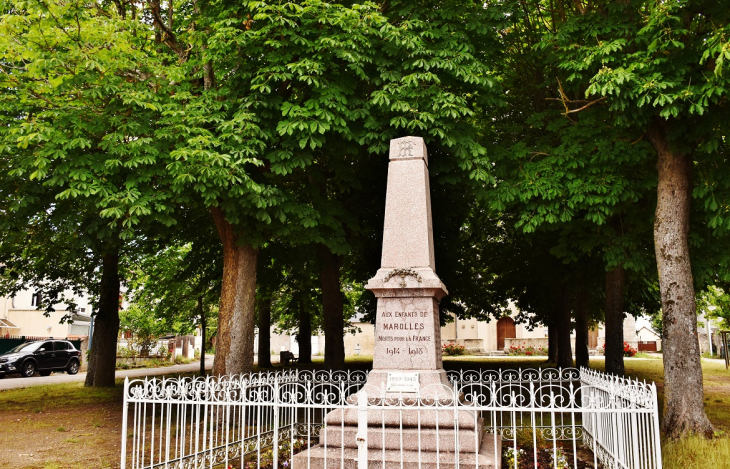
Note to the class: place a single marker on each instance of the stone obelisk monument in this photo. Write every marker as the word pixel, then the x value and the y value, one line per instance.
pixel 407 365
pixel 407 355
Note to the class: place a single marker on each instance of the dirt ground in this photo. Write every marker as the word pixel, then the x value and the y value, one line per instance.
pixel 62 426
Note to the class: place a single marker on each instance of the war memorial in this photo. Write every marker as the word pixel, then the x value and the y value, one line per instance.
pixel 407 412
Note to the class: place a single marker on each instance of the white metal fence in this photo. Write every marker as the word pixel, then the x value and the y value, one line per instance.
pixel 319 419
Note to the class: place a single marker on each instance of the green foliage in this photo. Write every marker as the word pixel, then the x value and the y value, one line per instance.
pixel 528 351
pixel 79 121
pixel 278 113
pixel 659 62
pixel 145 328
pixel 285 451
pixel 176 287
pixel 296 292
pixel 657 323
pixel 715 303
pixel 291 93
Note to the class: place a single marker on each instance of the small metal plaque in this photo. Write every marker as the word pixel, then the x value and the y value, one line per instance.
pixel 402 382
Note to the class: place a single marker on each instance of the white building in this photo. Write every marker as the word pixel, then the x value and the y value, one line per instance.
pixel 20 316
pixel 647 336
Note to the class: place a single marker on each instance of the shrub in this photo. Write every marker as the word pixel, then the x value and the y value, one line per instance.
pixel 125 352
pixel 451 348
pixel 629 351
pixel 525 440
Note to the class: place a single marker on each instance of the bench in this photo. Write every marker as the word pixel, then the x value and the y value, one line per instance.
pixel 286 357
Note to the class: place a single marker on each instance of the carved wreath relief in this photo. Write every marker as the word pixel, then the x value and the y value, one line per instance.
pixel 403 273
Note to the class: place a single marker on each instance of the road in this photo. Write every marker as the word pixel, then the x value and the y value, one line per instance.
pixel 15 381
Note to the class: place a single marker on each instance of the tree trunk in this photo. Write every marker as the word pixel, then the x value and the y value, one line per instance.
pixel 581 329
pixel 201 312
pixel 552 342
pixel 683 389
pixel 332 305
pixel 565 352
pixel 615 321
pixel 234 342
pixel 103 355
pixel 265 332
pixel 304 336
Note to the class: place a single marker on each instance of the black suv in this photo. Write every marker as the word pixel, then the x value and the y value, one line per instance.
pixel 44 356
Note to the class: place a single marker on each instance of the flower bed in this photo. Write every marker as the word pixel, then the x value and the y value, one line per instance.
pixel 451 348
pixel 526 351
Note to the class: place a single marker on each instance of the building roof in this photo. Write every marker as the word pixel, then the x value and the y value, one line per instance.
pixel 649 330
pixel 8 324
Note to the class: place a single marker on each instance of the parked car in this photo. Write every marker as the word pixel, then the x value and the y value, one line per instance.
pixel 44 356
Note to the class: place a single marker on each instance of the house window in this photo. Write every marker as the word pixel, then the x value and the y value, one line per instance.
pixel 35 300
pixel 83 310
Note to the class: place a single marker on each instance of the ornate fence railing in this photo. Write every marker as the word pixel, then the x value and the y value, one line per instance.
pixel 512 418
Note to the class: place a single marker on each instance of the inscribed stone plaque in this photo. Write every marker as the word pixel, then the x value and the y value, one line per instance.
pixel 402 382
pixel 406 334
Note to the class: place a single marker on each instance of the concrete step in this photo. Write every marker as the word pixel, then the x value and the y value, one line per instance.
pixel 409 439
pixel 319 457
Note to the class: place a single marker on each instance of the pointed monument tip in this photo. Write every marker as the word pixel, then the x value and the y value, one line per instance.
pixel 408 148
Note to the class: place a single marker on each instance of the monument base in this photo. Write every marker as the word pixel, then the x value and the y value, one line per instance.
pixel 319 457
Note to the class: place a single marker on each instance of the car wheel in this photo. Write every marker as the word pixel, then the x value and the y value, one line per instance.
pixel 73 368
pixel 28 369
pixel 2 376
pixel 44 373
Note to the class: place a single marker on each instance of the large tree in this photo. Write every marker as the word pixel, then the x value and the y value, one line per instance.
pixel 557 170
pixel 274 100
pixel 659 68
pixel 79 162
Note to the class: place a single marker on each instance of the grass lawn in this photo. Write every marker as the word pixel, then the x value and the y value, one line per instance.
pixel 69 426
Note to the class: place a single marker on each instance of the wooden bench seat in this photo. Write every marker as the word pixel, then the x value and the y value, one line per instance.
pixel 286 357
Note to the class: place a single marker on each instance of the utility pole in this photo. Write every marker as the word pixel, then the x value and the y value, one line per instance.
pixel 709 329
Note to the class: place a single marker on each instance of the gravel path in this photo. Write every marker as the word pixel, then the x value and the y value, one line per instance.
pixel 16 381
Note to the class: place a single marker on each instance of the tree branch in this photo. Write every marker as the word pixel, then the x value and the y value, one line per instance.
pixel 170 38
pixel 566 101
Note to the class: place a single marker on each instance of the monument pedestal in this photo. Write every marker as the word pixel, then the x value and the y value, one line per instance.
pixel 425 427
pixel 347 457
